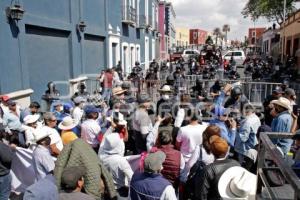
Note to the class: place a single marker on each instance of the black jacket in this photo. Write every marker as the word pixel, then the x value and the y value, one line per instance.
pixel 207 182
pixel 6 156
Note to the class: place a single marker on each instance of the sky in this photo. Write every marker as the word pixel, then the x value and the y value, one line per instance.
pixel 209 14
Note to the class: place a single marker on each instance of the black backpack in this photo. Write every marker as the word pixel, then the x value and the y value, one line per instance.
pixel 190 185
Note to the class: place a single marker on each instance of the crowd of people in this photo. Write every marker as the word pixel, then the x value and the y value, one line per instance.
pixel 129 147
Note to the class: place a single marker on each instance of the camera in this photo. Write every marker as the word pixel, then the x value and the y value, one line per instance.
pixel 235 116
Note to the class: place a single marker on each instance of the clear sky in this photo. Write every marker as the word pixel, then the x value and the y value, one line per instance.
pixel 209 14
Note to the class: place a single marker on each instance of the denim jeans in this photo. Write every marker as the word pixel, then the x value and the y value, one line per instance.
pixel 5 186
pixel 107 94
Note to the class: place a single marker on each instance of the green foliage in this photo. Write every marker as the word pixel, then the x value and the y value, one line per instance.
pixel 272 10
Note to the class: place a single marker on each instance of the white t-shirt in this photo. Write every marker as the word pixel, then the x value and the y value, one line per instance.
pixel 89 132
pixel 55 137
pixel 77 114
pixel 190 136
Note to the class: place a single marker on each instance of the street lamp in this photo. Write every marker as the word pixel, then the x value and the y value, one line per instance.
pixel 14 12
pixel 81 26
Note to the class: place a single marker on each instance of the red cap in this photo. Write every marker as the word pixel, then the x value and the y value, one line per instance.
pixel 4 97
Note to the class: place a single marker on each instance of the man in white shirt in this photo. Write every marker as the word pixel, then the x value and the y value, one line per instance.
pixel 56 144
pixel 78 110
pixel 43 163
pixel 189 137
pixel 90 127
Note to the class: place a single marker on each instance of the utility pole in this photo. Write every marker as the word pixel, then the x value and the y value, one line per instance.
pixel 254 37
pixel 283 37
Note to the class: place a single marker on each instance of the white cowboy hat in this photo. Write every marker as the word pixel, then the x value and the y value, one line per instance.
pixel 283 102
pixel 237 183
pixel 117 91
pixel 120 118
pixel 29 119
pixel 67 123
pixel 165 88
pixel 40 134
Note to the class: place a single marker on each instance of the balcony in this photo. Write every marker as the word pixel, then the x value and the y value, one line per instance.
pixel 129 15
pixel 142 22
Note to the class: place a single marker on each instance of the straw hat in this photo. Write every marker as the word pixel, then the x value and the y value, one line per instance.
pixel 29 119
pixel 67 123
pixel 117 91
pixel 237 183
pixel 283 102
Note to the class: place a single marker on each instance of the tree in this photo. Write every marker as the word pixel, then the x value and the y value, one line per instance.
pixel 272 10
pixel 217 33
pixel 226 29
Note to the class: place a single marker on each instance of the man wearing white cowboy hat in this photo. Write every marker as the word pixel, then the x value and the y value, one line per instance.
pixel 164 105
pixel 237 183
pixel 67 135
pixel 282 122
pixel 43 163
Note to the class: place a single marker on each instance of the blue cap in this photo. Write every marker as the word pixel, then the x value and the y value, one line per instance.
pixel 91 109
pixel 68 106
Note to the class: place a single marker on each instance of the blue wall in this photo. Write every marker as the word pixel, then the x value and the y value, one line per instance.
pixel 45 45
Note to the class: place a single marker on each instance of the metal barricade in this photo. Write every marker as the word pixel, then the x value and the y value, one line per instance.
pixel 256 92
pixel 92 85
pixel 268 151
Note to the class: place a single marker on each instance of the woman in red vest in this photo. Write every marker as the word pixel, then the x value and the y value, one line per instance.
pixel 174 162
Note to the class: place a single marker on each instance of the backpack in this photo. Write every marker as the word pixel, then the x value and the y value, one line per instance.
pixel 196 170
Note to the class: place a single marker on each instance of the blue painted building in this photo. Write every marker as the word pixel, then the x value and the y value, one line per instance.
pixel 48 44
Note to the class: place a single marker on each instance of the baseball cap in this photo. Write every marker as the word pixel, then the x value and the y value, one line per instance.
pixel 278 90
pixel 4 97
pixel 154 161
pixel 70 177
pixel 91 109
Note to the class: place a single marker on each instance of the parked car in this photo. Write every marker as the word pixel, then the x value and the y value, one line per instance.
pixel 175 56
pixel 188 53
pixel 239 56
